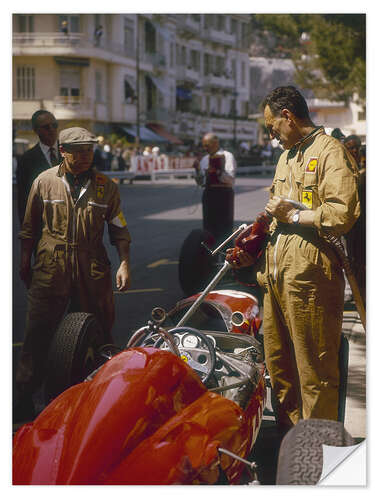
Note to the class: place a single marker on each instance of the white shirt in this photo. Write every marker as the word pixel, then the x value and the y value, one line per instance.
pixel 229 172
pixel 45 150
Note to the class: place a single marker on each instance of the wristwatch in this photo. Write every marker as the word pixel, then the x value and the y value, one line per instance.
pixel 295 217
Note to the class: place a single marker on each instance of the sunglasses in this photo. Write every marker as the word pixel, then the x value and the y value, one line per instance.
pixel 48 126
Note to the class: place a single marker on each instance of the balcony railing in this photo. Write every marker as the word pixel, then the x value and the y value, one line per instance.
pixel 73 102
pixel 222 80
pixel 154 58
pixel 221 36
pixel 187 73
pixel 72 40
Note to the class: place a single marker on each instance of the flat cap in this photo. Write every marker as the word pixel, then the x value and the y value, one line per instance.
pixel 77 135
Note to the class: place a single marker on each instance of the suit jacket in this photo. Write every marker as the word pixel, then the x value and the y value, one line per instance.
pixel 32 163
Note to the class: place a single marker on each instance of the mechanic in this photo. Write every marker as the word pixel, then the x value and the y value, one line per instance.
pixel 216 173
pixel 70 204
pixel 45 154
pixel 299 272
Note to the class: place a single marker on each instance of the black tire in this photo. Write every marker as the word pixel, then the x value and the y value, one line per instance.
pixel 301 453
pixel 196 266
pixel 73 354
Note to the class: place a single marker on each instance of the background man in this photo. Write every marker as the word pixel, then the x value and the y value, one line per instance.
pixel 300 274
pixel 356 238
pixel 69 204
pixel 217 169
pixel 45 154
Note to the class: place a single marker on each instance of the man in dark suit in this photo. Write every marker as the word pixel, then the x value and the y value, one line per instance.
pixel 42 156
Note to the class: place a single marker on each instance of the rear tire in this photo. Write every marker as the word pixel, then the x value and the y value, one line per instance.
pixel 73 354
pixel 301 452
pixel 196 266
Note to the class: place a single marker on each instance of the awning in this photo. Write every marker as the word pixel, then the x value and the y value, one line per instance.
pixel 72 61
pixel 160 130
pixel 146 135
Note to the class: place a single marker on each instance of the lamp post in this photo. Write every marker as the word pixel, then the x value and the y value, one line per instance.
pixel 137 137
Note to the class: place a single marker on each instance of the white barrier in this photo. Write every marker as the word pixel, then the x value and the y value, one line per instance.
pixel 162 166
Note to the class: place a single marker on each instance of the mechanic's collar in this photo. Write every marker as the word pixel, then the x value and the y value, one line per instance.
pixel 62 171
pixel 297 148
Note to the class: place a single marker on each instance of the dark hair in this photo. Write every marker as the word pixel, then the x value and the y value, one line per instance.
pixel 354 138
pixel 286 98
pixel 36 115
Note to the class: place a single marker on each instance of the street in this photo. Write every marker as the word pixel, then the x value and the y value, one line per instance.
pixel 160 215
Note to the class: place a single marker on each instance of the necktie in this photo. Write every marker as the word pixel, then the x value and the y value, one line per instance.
pixel 53 157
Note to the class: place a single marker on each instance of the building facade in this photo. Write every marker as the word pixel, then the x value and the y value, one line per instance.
pixel 177 76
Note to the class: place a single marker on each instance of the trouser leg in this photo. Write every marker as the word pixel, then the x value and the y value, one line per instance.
pixel 280 362
pixel 316 331
pixel 43 316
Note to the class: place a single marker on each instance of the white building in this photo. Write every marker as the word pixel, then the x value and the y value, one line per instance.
pixel 178 76
pixel 268 73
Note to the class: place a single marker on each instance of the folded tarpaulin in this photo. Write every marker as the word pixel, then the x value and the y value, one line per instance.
pixel 145 134
pixel 160 130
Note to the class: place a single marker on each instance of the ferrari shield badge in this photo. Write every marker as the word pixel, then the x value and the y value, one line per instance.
pixel 311 165
pixel 307 198
pixel 100 181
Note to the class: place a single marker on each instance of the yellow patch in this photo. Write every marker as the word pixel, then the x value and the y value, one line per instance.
pixel 122 219
pixel 307 199
pixel 311 165
pixel 100 191
pixel 184 358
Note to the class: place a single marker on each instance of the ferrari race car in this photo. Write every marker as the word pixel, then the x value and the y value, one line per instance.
pixel 182 404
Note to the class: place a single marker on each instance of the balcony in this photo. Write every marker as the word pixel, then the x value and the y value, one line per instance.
pixel 189 74
pixel 69 107
pixel 155 59
pixel 222 81
pixel 221 37
pixel 53 43
pixel 187 27
pixel 158 115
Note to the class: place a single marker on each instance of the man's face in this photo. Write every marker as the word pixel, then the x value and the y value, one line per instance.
pixel 210 145
pixel 281 128
pixel 46 129
pixel 353 147
pixel 77 158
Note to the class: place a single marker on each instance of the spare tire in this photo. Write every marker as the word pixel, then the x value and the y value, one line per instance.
pixel 73 354
pixel 196 267
pixel 301 452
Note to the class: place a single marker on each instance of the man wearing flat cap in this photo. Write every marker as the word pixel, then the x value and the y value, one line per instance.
pixel 69 205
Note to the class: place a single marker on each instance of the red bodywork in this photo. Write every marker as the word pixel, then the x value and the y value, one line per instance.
pixel 144 418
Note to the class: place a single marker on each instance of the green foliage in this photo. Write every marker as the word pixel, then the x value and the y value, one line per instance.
pixel 332 61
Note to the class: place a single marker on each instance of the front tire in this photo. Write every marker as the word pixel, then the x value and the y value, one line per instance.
pixel 73 354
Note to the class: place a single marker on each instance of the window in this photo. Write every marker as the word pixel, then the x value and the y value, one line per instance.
pixel 98 20
pixel 196 17
pixel 98 86
pixel 243 74
pixel 206 61
pixel 233 26
pixel 171 54
pixel 70 82
pixel 129 36
pixel 183 56
pixel 195 60
pixel 129 93
pixel 25 82
pixel 150 38
pixel 25 23
pixel 361 116
pixel 234 70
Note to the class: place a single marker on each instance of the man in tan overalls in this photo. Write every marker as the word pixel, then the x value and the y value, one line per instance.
pixel 299 273
pixel 68 206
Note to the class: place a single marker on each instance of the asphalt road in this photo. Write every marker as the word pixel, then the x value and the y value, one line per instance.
pixel 160 216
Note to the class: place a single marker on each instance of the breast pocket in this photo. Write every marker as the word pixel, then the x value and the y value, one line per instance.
pixel 279 186
pixel 55 211
pixel 96 215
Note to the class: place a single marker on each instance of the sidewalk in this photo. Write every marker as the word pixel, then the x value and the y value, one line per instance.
pixel 355 416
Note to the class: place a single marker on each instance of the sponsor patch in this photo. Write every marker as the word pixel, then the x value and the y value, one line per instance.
pixel 184 358
pixel 307 199
pixel 311 165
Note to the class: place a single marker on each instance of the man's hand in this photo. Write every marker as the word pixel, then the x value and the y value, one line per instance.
pixel 281 209
pixel 123 277
pixel 25 273
pixel 239 258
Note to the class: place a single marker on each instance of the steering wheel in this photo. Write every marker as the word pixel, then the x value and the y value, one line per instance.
pixel 193 355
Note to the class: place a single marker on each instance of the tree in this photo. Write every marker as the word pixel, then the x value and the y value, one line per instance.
pixel 328 50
